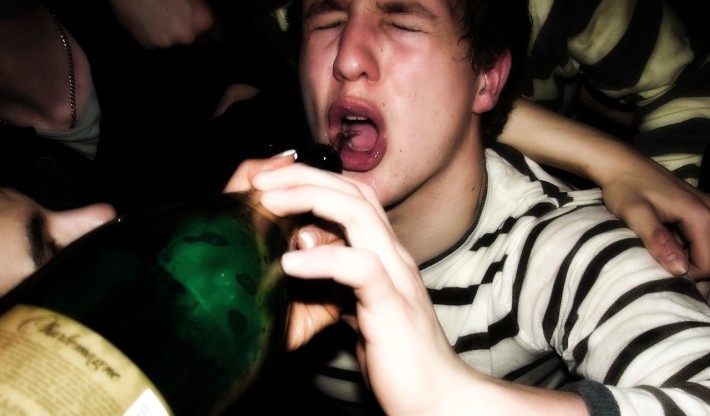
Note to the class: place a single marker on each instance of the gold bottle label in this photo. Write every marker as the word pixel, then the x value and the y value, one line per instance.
pixel 53 365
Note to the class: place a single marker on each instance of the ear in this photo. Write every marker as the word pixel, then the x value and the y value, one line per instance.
pixel 489 84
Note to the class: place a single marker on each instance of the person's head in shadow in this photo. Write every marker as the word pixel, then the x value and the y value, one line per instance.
pixel 30 234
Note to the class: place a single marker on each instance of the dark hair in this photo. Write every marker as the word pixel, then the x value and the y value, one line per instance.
pixel 491 27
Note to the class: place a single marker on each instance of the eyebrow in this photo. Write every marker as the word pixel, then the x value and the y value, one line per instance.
pixel 34 229
pixel 389 7
pixel 323 6
pixel 407 7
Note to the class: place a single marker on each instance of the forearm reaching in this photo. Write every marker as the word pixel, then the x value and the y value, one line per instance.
pixel 671 217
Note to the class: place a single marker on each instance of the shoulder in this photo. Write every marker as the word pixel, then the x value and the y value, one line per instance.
pixel 514 180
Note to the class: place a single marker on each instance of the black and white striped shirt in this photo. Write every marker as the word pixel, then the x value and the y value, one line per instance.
pixel 635 54
pixel 549 289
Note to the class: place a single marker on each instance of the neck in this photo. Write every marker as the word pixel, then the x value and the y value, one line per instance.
pixel 443 209
pixel 35 83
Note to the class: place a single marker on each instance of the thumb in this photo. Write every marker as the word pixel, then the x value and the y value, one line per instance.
pixel 663 243
pixel 308 319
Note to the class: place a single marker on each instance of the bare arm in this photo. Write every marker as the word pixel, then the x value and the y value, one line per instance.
pixel 646 196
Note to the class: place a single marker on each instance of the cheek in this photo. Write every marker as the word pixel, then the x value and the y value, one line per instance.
pixel 439 101
pixel 436 77
pixel 15 255
pixel 314 81
pixel 310 106
pixel 316 60
pixel 16 266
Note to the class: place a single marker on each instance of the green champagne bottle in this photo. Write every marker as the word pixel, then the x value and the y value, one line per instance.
pixel 173 310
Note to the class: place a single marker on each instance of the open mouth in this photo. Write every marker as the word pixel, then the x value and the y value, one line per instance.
pixel 357 134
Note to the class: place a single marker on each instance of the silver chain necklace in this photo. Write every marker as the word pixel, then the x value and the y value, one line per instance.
pixel 70 57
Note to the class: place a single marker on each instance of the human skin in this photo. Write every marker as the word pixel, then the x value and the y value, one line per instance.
pixel 387 223
pixel 402 80
pixel 164 23
pixel 31 234
pixel 642 193
pixel 33 68
pixel 421 147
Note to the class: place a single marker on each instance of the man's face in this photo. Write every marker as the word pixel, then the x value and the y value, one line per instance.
pixel 30 234
pixel 395 76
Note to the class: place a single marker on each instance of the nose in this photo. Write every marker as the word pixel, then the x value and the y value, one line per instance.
pixel 356 58
pixel 67 226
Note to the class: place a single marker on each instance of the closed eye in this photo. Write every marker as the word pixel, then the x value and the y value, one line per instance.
pixel 408 15
pixel 406 27
pixel 325 14
pixel 325 24
pixel 41 248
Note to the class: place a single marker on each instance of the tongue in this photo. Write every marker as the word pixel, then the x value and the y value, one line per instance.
pixel 362 138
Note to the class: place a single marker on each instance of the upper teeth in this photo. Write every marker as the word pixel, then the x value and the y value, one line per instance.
pixel 355 118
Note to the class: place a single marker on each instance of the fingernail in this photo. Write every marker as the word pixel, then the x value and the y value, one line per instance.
pixel 677 264
pixel 306 239
pixel 285 153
